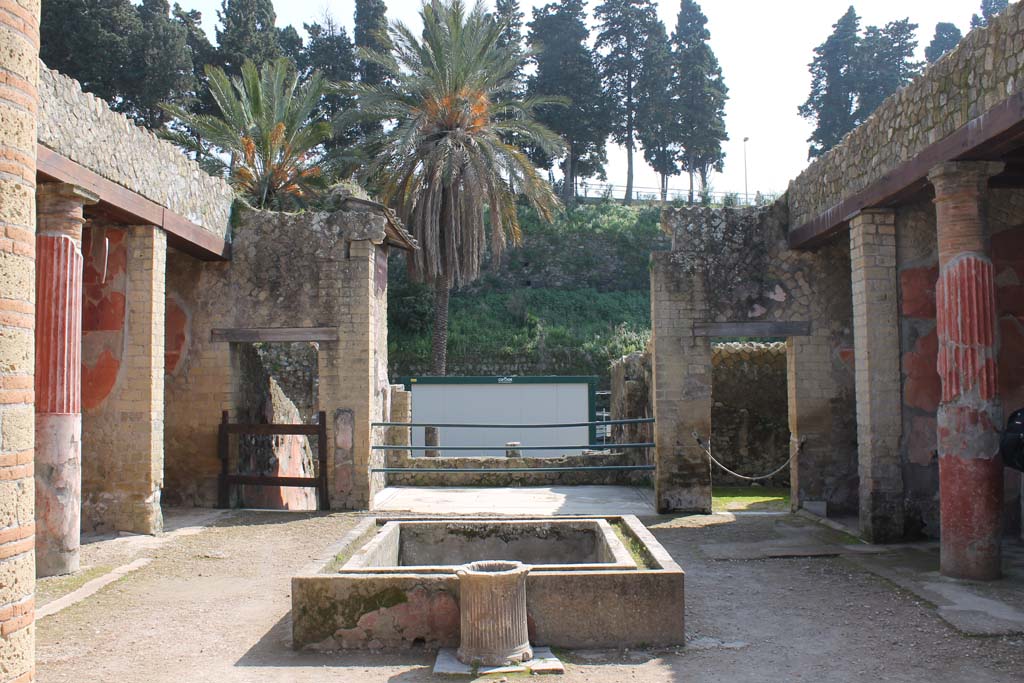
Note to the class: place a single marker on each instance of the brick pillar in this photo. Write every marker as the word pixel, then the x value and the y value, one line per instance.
pixel 877 354
pixel 19 72
pixel 681 389
pixel 58 382
pixel 141 402
pixel 970 414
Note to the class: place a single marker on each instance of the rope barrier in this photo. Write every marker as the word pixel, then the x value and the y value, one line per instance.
pixel 707 449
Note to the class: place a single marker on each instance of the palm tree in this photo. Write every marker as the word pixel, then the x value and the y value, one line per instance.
pixel 267 140
pixel 444 160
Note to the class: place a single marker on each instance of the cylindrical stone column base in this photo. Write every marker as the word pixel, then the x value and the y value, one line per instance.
pixel 971 502
pixel 58 493
pixel 492 604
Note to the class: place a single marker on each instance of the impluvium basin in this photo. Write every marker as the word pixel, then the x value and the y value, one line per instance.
pixel 392 584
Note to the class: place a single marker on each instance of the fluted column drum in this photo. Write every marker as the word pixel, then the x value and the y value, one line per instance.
pixel 492 602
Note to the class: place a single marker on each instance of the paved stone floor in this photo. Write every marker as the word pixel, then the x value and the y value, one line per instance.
pixel 769 597
pixel 557 500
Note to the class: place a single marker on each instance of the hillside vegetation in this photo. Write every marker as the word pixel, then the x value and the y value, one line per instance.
pixel 573 296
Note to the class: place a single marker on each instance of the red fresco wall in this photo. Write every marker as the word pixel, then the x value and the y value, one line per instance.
pixel 103 315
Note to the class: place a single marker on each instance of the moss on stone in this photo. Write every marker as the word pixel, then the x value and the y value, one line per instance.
pixel 353 609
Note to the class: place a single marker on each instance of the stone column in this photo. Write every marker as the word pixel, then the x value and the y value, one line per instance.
pixel 877 362
pixel 970 414
pixel 19 69
pixel 58 380
pixel 681 379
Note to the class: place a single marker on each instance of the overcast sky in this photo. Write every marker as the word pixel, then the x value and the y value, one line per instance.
pixel 764 49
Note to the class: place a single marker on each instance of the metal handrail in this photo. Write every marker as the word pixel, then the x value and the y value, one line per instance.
pixel 641 420
pixel 591 447
pixel 497 470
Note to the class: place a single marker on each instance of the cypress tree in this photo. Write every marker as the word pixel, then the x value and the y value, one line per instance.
pixel 371 33
pixel 701 91
pixel 161 69
pixel 93 42
pixel 624 25
pixel 833 85
pixel 989 9
pixel 947 36
pixel 885 63
pixel 510 18
pixel 567 67
pixel 330 51
pixel 247 32
pixel 658 122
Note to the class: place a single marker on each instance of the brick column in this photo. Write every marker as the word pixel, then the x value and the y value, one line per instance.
pixel 970 414
pixel 877 354
pixel 682 389
pixel 19 73
pixel 140 462
pixel 58 382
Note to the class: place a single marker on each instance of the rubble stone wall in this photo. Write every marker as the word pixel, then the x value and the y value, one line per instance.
pixel 342 259
pixel 83 128
pixel 734 265
pixel 981 72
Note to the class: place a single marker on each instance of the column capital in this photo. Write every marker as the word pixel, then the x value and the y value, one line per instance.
pixel 952 177
pixel 59 207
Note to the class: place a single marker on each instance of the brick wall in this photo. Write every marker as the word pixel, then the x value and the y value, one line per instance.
pixel 735 265
pixel 19 36
pixel 287 270
pixel 123 378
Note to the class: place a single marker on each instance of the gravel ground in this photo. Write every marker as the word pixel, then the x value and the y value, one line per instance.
pixel 213 606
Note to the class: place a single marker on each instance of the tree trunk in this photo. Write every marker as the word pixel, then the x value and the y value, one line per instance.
pixel 664 187
pixel 439 351
pixel 439 341
pixel 629 171
pixel 569 181
pixel 691 188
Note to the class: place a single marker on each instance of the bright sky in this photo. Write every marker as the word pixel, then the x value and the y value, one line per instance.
pixel 764 49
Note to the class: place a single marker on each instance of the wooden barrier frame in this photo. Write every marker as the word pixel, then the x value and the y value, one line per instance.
pixel 227 480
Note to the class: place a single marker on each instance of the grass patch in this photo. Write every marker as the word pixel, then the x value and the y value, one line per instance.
pixel 49 589
pixel 749 498
pixel 634 546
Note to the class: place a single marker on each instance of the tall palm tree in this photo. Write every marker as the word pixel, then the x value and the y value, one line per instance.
pixel 444 160
pixel 267 140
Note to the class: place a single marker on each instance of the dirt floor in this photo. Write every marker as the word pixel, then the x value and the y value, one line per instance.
pixel 213 606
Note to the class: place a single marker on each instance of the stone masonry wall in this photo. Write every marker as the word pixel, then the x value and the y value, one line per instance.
pixel 287 270
pixel 749 417
pixel 734 265
pixel 81 127
pixel 749 422
pixel 982 71
pixel 917 258
pixel 19 56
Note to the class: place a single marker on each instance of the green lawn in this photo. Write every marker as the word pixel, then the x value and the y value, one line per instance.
pixel 738 498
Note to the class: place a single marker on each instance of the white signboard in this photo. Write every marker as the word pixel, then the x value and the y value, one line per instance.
pixel 504 401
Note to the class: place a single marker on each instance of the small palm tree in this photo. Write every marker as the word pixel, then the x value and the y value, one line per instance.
pixel 444 160
pixel 267 140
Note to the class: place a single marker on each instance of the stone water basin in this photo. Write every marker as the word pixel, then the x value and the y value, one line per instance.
pixel 390 583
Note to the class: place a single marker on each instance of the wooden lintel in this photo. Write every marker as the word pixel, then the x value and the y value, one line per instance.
pixel 257 480
pixel 752 328
pixel 988 137
pixel 275 334
pixel 125 206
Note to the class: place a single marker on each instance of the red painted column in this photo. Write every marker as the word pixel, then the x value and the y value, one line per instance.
pixel 58 380
pixel 970 414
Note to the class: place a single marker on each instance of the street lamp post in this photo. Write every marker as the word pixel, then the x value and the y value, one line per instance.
pixel 746 191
